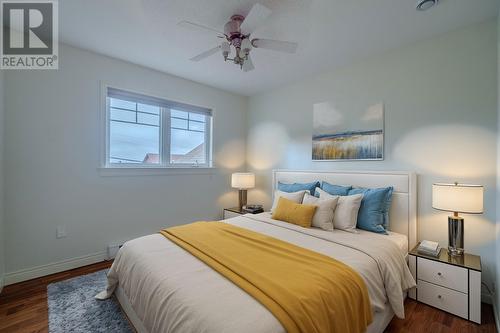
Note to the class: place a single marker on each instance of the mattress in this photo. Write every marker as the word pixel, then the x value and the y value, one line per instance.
pixel 380 319
pixel 169 290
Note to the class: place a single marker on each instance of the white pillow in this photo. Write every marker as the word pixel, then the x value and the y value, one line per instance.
pixel 323 216
pixel 345 216
pixel 293 196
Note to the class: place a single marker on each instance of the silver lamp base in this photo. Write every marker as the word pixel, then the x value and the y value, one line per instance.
pixel 455 235
pixel 242 199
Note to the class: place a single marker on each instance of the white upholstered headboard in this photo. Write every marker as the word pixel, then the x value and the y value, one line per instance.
pixel 403 212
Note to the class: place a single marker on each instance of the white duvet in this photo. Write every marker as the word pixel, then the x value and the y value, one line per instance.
pixel 171 291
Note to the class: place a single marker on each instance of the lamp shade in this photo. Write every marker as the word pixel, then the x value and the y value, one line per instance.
pixel 460 198
pixel 243 180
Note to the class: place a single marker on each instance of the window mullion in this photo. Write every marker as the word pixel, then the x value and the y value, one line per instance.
pixel 208 143
pixel 107 133
pixel 165 137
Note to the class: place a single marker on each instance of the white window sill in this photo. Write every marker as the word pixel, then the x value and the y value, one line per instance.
pixel 154 171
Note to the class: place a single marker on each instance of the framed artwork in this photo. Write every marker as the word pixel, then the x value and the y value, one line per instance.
pixel 347 135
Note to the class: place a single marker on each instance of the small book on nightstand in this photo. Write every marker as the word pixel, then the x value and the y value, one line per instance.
pixel 429 248
pixel 253 209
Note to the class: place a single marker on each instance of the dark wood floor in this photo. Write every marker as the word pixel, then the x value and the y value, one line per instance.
pixel 423 318
pixel 23 308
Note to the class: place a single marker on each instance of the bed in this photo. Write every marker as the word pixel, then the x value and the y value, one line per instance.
pixel 163 288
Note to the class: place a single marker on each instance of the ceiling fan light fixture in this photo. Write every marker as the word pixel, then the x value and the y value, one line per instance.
pixel 246 45
pixel 226 49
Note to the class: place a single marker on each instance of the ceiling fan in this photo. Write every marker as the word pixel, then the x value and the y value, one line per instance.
pixel 237 34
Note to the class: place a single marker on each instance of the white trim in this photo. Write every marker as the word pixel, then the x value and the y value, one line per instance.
pixel 475 296
pixel 164 135
pixel 155 171
pixel 105 84
pixel 56 267
pixel 412 211
pixel 103 123
pixel 135 97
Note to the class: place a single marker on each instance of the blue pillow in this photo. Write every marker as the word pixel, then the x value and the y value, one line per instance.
pixel 295 187
pixel 335 189
pixel 373 213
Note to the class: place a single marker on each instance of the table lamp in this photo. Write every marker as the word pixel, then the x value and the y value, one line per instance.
pixel 457 198
pixel 242 181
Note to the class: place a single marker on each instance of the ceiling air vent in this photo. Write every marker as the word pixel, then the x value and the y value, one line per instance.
pixel 426 4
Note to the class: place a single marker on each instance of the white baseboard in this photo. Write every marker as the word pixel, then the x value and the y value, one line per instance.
pixel 56 267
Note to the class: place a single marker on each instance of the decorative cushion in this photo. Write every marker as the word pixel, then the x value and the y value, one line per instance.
pixel 335 189
pixel 298 187
pixel 295 213
pixel 293 196
pixel 323 217
pixel 346 213
pixel 374 210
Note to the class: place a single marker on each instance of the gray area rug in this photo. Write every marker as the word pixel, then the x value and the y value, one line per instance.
pixel 73 308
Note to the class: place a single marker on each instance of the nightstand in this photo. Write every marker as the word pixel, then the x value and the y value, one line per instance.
pixel 232 212
pixel 452 284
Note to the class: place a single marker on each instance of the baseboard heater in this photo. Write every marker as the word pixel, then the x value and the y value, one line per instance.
pixel 113 250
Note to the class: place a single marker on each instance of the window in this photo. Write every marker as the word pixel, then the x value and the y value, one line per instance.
pixel 145 131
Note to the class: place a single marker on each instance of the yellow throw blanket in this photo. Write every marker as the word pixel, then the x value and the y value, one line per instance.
pixel 306 291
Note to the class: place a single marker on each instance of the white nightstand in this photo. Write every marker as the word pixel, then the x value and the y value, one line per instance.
pixel 452 284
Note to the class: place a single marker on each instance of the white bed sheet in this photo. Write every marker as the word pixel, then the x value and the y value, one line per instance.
pixel 172 291
pixel 399 239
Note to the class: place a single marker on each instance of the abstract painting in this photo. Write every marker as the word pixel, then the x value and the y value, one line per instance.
pixel 349 134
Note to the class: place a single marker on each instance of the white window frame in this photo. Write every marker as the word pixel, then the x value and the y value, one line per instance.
pixel 164 135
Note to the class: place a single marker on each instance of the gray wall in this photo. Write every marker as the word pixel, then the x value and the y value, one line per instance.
pixel 53 177
pixel 497 284
pixel 440 100
pixel 2 229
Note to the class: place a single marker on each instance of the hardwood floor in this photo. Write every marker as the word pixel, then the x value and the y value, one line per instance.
pixel 23 308
pixel 424 318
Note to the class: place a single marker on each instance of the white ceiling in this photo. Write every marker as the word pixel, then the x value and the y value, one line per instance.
pixel 330 33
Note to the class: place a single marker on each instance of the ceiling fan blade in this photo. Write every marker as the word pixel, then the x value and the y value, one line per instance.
pixel 248 65
pixel 206 54
pixel 275 45
pixel 255 17
pixel 198 27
